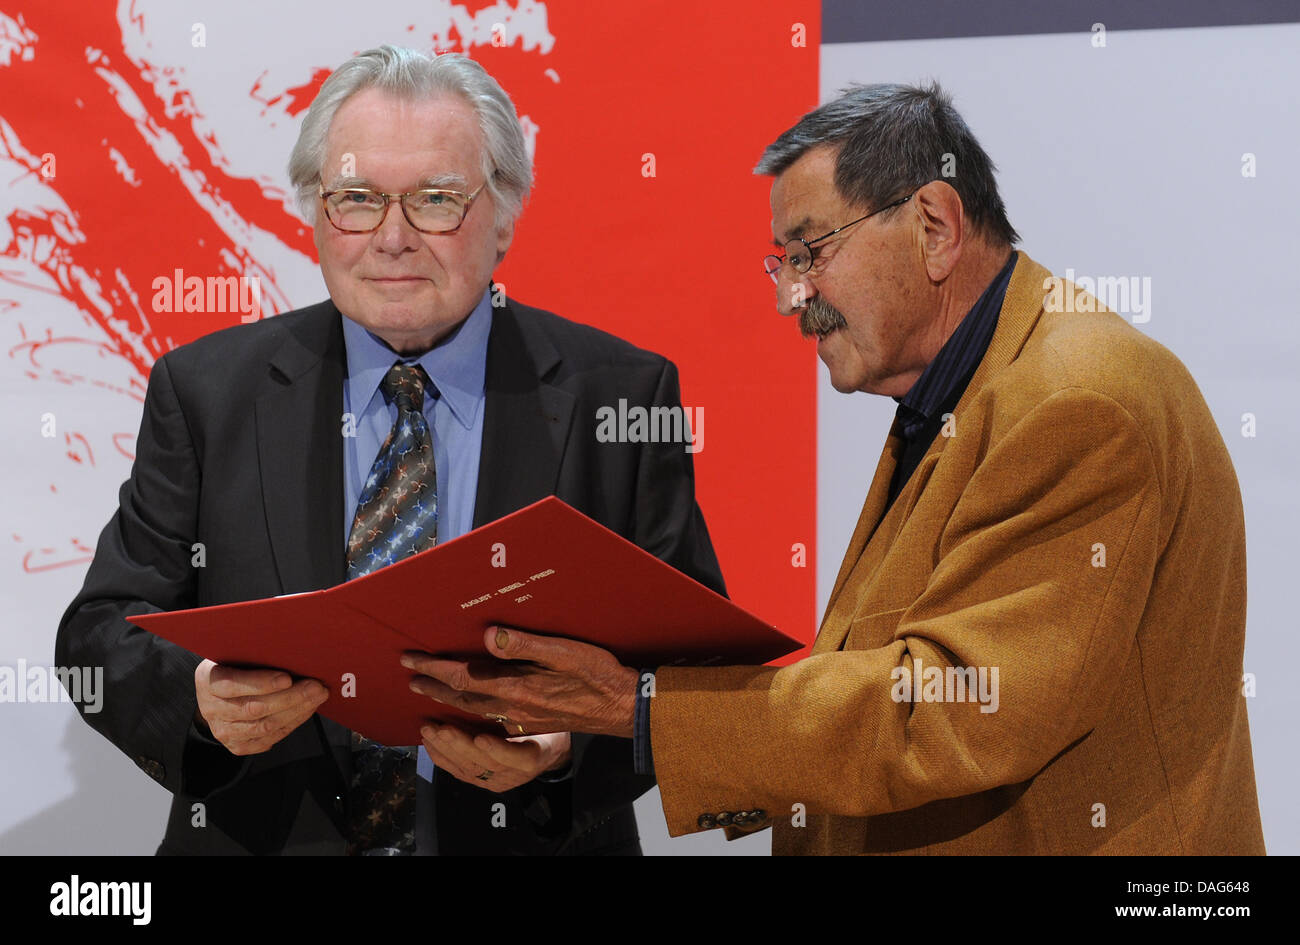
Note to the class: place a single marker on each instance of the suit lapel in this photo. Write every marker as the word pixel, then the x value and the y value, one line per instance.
pixel 526 419
pixel 300 451
pixel 525 427
pixel 1022 305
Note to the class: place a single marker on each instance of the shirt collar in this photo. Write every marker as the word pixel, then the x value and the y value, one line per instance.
pixel 958 357
pixel 457 365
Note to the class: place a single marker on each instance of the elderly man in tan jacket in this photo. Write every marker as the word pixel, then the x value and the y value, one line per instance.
pixel 1034 644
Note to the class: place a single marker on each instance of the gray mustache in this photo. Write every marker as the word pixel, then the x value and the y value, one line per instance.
pixel 819 317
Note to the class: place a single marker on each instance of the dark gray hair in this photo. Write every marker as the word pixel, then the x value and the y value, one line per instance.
pixel 893 139
pixel 410 74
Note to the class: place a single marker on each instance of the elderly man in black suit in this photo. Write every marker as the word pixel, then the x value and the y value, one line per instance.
pixel 274 446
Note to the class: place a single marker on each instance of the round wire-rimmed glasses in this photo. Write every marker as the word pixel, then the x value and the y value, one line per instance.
pixel 799 252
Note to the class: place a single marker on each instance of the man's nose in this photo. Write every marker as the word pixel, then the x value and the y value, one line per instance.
pixel 395 233
pixel 793 290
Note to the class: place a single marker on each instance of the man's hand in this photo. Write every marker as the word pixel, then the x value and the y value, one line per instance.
pixel 491 762
pixel 249 710
pixel 567 686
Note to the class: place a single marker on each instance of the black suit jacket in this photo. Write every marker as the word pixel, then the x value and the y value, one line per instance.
pixel 240 449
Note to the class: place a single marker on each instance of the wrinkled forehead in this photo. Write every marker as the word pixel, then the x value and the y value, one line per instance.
pixel 804 200
pixel 432 137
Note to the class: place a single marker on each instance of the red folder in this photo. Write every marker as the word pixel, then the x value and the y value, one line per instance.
pixel 546 568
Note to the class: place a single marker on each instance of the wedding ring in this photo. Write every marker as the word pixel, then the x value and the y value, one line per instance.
pixel 486 775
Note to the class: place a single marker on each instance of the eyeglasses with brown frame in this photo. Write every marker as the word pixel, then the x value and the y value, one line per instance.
pixel 429 210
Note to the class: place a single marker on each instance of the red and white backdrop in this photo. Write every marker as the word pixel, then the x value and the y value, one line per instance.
pixel 142 137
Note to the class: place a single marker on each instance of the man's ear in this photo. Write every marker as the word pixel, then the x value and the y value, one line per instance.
pixel 505 236
pixel 943 221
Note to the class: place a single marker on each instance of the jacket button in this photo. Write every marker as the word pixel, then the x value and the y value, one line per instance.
pixel 725 818
pixel 758 816
pixel 152 768
pixel 707 821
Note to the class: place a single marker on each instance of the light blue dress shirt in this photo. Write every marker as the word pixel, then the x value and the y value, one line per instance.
pixel 457 366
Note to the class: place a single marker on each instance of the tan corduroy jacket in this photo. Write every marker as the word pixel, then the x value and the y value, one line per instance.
pixel 1063 583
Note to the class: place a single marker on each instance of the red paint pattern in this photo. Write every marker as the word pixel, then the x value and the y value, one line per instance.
pixel 670 261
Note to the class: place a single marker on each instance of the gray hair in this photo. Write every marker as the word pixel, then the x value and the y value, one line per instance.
pixel 893 139
pixel 410 74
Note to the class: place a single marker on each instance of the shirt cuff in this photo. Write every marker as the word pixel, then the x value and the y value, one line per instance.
pixel 643 761
pixel 563 773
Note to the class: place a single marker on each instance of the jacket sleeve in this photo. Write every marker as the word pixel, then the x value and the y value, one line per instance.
pixel 143 564
pixel 1013 590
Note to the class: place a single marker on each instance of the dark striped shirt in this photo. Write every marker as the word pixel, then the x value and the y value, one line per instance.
pixel 956 360
pixel 936 392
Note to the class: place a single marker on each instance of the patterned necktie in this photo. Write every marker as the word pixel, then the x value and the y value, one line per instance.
pixel 397 516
